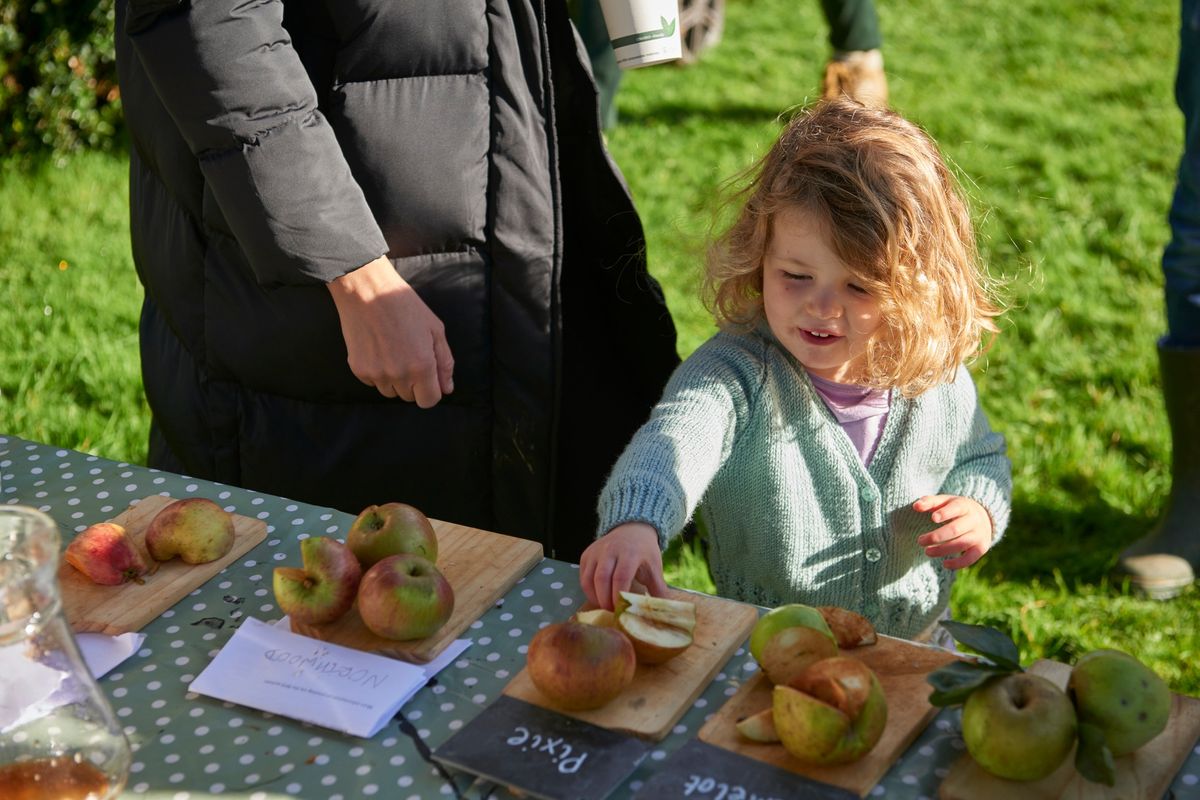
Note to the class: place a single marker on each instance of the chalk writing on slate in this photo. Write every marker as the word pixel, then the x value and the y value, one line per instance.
pixel 699 771
pixel 540 753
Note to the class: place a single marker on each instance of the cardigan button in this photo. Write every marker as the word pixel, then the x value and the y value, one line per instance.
pixel 868 494
pixel 873 554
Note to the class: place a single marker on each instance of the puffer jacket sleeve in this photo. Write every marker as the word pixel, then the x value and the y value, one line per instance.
pixel 228 75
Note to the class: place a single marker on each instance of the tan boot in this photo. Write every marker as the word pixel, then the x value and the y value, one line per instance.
pixel 1163 564
pixel 858 74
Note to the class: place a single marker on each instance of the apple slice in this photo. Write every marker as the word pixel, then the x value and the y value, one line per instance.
pixel 654 641
pixel 759 727
pixel 850 629
pixel 676 613
pixel 597 616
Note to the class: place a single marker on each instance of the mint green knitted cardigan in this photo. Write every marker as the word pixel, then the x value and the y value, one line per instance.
pixel 791 513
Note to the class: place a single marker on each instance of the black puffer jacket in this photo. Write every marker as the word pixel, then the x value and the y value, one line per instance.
pixel 278 144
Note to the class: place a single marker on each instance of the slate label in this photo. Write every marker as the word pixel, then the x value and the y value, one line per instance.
pixel 540 753
pixel 699 771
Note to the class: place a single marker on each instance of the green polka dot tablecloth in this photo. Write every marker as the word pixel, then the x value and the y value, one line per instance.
pixel 190 746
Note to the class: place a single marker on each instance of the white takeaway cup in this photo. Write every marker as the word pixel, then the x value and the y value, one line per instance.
pixel 643 32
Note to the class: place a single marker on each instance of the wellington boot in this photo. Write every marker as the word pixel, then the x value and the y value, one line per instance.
pixel 1164 563
pixel 857 74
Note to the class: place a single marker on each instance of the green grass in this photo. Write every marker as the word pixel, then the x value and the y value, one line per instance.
pixel 1061 122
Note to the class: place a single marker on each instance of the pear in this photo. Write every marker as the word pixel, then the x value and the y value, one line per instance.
pixel 1121 696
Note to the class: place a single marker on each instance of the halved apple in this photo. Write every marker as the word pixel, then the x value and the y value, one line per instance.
pixel 654 642
pixel 677 613
pixel 793 650
pixel 849 628
pixel 833 713
pixel 659 627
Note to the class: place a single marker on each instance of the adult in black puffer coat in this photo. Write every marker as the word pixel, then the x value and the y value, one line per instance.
pixel 386 257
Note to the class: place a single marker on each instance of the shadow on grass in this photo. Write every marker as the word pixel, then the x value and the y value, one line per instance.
pixel 1081 543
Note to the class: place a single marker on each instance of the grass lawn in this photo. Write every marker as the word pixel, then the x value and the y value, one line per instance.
pixel 1061 122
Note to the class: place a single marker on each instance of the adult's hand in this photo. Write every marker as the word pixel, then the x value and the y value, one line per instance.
pixel 393 341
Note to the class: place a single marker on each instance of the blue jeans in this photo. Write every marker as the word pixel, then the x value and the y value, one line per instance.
pixel 1181 259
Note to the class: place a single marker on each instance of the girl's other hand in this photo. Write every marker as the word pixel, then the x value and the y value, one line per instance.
pixel 613 562
pixel 966 534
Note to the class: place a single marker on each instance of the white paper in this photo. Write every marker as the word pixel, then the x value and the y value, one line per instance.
pixel 27 687
pixel 443 660
pixel 264 667
pixel 101 653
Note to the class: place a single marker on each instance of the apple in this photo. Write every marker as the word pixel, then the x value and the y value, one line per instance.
pixel 324 589
pixel 195 528
pixel 1019 726
pixel 788 639
pixel 659 627
pixel 391 529
pixel 1121 696
pixel 404 597
pixel 597 616
pixel 759 727
pixel 834 712
pixel 106 555
pixel 849 628
pixel 579 667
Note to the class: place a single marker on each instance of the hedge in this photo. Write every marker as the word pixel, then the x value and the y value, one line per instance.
pixel 58 75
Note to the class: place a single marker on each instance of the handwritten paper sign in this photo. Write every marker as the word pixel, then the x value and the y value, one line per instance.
pixel 699 771
pixel 336 687
pixel 542 754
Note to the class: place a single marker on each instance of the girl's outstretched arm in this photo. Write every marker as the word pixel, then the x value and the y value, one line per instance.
pixel 613 562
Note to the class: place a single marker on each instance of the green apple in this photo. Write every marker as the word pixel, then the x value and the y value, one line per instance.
pixel 834 712
pixel 579 667
pixel 1121 696
pixel 106 555
pixel 324 589
pixel 787 640
pixel 1019 726
pixel 404 597
pixel 391 529
pixel 195 528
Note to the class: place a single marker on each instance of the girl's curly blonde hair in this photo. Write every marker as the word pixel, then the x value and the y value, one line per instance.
pixel 894 214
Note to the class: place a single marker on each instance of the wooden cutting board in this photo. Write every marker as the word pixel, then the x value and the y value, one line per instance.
pixel 481 567
pixel 660 694
pixel 113 610
pixel 901 667
pixel 1143 774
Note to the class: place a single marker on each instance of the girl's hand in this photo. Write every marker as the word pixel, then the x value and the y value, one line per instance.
pixel 967 534
pixel 611 563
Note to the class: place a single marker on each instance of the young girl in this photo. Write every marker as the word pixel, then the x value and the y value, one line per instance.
pixel 830 427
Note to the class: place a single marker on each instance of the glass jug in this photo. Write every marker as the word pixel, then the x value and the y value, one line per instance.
pixel 59 739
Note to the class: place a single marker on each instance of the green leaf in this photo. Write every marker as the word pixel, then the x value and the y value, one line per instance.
pixel 953 683
pixel 667 27
pixel 990 643
pixel 1093 759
